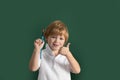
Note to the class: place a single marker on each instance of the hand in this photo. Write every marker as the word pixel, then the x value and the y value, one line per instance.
pixel 38 43
pixel 65 50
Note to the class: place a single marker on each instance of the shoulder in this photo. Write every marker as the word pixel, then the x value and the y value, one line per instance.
pixel 61 58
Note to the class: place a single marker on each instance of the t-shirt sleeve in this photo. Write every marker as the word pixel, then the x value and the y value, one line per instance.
pixel 39 62
pixel 67 64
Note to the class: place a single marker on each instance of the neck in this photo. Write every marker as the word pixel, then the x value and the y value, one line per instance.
pixel 55 53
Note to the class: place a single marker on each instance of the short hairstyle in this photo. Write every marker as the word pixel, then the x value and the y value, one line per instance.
pixel 58 28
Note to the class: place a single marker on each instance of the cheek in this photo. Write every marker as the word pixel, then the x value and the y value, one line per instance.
pixel 62 43
pixel 51 41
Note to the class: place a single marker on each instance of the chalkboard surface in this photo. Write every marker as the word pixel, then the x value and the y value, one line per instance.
pixel 94 35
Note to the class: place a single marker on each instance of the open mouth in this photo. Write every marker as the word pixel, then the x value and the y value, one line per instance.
pixel 56 45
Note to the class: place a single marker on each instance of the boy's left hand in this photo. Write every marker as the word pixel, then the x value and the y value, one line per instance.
pixel 65 50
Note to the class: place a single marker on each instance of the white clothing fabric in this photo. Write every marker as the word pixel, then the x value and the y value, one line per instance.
pixel 53 68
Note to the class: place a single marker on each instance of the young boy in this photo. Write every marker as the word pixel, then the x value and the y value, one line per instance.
pixel 57 61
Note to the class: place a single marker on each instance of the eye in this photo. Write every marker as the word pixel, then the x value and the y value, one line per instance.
pixel 61 38
pixel 53 37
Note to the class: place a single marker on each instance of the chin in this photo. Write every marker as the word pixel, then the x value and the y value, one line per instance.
pixel 55 48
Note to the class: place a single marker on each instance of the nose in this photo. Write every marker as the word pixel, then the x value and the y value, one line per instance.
pixel 57 40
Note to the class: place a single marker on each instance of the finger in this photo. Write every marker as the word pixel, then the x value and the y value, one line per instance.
pixel 36 40
pixel 68 45
pixel 42 43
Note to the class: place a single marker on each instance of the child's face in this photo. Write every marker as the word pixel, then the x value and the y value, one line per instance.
pixel 56 41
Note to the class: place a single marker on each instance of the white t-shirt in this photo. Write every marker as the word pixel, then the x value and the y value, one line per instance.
pixel 53 68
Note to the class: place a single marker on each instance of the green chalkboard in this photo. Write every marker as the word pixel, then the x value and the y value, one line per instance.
pixel 94 35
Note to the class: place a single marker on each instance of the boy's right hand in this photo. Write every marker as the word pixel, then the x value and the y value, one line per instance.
pixel 38 44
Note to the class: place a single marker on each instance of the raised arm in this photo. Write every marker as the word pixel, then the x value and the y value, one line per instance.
pixel 35 58
pixel 73 62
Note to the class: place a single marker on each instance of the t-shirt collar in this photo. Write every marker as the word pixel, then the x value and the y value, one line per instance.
pixel 49 51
